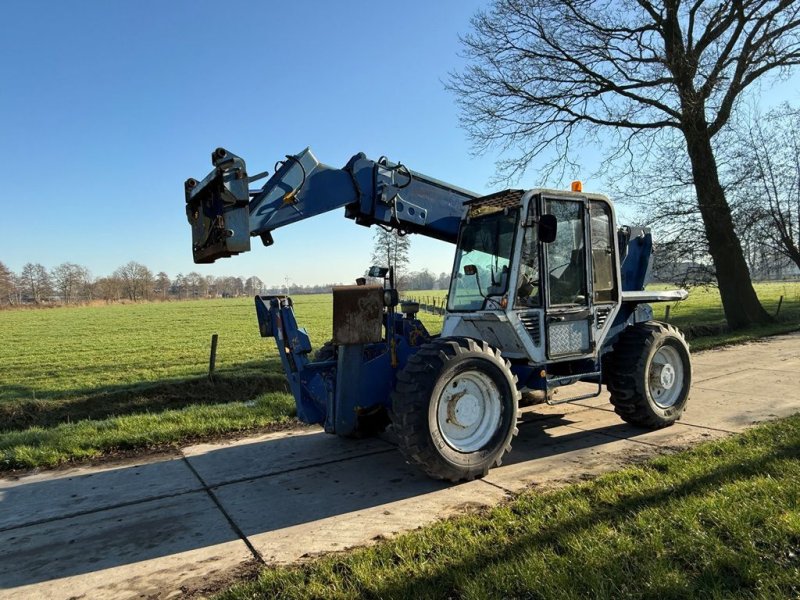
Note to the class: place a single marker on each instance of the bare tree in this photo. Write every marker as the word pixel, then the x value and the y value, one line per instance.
pixel 662 190
pixel 69 280
pixel 253 286
pixel 7 285
pixel 770 156
pixel 211 286
pixel 179 287
pixel 136 280
pixel 195 284
pixel 161 285
pixel 230 287
pixel 109 288
pixel 391 249
pixel 549 75
pixel 35 282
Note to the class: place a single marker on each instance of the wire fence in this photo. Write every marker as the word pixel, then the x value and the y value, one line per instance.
pixel 430 304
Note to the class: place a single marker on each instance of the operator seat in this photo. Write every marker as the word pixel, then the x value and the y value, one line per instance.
pixel 567 288
pixel 501 286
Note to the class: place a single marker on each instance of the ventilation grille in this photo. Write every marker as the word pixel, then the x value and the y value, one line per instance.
pixel 531 323
pixel 601 316
pixel 494 202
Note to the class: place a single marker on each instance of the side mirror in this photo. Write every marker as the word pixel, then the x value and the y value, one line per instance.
pixel 379 272
pixel 470 270
pixel 548 227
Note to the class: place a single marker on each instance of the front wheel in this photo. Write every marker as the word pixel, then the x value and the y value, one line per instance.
pixel 455 408
pixel 650 374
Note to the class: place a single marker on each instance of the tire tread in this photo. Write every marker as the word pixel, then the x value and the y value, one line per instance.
pixel 627 362
pixel 412 396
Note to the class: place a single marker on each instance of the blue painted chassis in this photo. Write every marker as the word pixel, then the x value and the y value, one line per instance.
pixel 224 213
pixel 339 393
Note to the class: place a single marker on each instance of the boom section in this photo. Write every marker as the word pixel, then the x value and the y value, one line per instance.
pixel 224 212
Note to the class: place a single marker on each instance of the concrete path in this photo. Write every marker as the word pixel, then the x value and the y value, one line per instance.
pixel 163 527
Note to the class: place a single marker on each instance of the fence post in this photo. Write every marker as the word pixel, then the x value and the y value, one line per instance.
pixel 780 302
pixel 212 359
pixel 666 315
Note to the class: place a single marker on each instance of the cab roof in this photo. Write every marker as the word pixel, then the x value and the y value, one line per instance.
pixel 512 198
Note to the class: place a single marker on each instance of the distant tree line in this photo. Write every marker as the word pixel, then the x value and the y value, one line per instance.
pixel 70 283
pixel 424 280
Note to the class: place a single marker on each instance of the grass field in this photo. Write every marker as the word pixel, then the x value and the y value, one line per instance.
pixel 79 382
pixel 82 381
pixel 721 520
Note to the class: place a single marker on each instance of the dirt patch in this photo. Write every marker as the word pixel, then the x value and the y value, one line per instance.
pixel 202 587
pixel 696 331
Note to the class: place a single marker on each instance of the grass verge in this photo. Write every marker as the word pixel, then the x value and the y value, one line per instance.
pixel 719 520
pixel 145 398
pixel 88 439
pixel 741 336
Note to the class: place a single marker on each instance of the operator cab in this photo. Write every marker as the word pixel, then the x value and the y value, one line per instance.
pixel 545 262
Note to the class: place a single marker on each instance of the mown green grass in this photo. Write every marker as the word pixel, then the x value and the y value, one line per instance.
pixel 80 382
pixel 60 367
pixel 720 520
pixel 68 351
pixel 702 317
pixel 87 439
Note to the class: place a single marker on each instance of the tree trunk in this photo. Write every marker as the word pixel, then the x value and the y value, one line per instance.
pixel 739 300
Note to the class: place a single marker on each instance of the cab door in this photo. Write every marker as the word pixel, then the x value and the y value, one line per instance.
pixel 566 278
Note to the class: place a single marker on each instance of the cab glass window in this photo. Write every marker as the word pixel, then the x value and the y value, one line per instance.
pixel 528 282
pixel 484 248
pixel 603 271
pixel 566 256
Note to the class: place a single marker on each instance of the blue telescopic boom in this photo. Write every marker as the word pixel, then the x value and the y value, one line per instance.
pixel 224 212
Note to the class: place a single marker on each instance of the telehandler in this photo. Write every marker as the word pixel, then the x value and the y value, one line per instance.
pixel 546 291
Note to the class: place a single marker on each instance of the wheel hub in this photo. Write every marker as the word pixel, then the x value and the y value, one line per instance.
pixel 665 375
pixel 464 410
pixel 469 411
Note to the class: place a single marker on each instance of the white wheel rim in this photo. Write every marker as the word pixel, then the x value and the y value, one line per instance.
pixel 665 377
pixel 469 410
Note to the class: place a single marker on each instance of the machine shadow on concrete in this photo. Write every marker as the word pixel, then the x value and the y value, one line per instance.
pixel 52 528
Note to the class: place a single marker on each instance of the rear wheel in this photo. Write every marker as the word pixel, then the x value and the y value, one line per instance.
pixel 650 374
pixel 455 408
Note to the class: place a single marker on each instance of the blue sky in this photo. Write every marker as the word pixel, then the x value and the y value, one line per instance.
pixel 107 107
